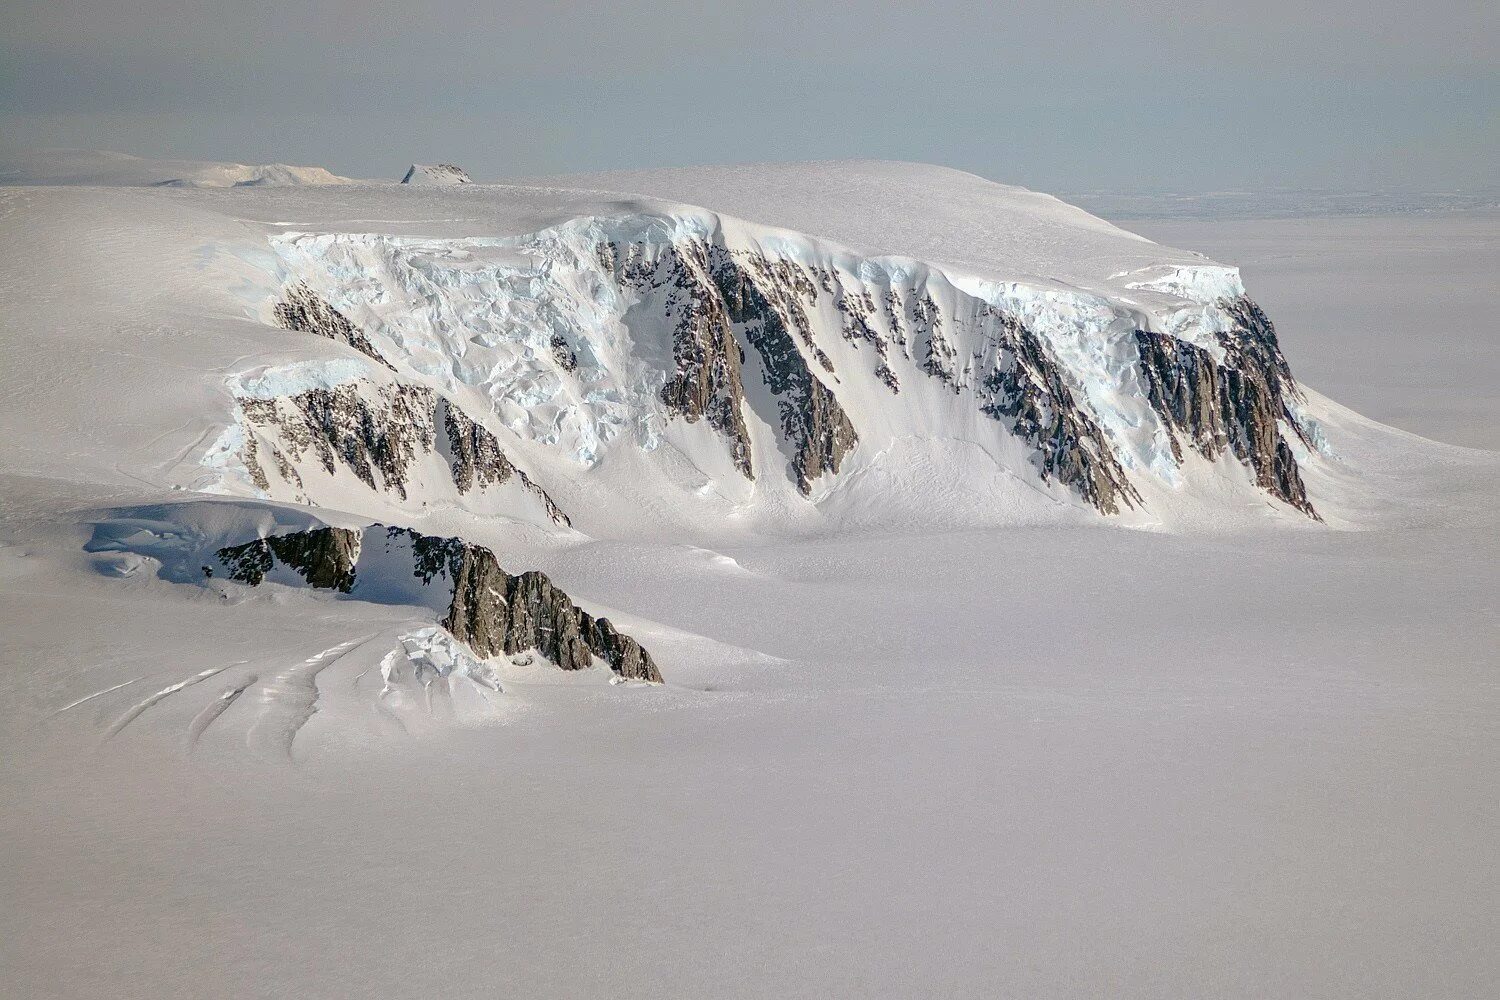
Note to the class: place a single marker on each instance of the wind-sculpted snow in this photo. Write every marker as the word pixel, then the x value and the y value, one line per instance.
pixel 491 611
pixel 625 332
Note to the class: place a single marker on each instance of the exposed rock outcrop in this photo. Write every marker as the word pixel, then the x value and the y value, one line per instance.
pixel 714 310
pixel 377 432
pixel 1241 402
pixel 494 612
pixel 811 418
pixel 705 383
pixel 476 459
pixel 482 605
pixel 304 311
pixel 369 427
pixel 1027 388
pixel 324 557
pixel 710 298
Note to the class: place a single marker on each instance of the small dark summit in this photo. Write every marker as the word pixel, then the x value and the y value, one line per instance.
pixel 436 174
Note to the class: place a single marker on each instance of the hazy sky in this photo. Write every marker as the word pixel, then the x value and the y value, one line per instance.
pixel 1064 96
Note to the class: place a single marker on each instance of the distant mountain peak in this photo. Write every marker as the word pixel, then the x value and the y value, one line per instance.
pixel 436 174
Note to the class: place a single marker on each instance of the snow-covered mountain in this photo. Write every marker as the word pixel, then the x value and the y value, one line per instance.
pixel 762 366
pixel 784 580
pixel 726 375
pixel 717 356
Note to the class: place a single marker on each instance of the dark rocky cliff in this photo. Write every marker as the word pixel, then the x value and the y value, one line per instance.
pixel 1240 403
pixel 488 609
pixel 706 381
pixel 1027 389
pixel 375 430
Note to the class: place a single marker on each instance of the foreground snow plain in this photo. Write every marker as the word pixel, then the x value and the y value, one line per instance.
pixel 1055 758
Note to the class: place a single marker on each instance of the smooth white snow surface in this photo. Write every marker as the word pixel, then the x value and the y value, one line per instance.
pixel 109 169
pixel 1051 756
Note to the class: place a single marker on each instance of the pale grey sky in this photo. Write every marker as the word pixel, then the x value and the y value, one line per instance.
pixel 1059 96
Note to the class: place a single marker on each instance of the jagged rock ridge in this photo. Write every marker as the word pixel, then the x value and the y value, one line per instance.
pixel 477 460
pixel 716 295
pixel 811 417
pixel 707 380
pixel 1025 386
pixel 377 432
pixel 324 557
pixel 483 606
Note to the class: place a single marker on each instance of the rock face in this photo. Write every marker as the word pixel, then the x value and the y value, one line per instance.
pixel 378 430
pixel 714 298
pixel 483 606
pixel 811 418
pixel 494 612
pixel 706 382
pixel 607 330
pixel 477 460
pixel 1238 403
pixel 323 557
pixel 439 175
pixel 709 301
pixel 305 312
pixel 1025 388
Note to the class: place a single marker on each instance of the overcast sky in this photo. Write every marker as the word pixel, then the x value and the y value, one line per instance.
pixel 1067 97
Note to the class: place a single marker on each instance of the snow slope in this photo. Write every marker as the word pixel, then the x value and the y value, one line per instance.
pixel 101 167
pixel 926 725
